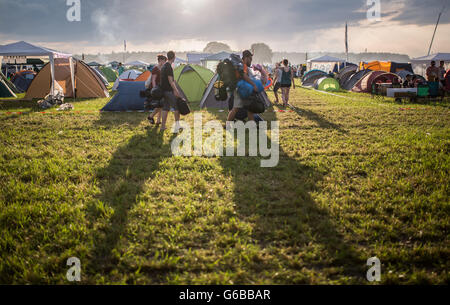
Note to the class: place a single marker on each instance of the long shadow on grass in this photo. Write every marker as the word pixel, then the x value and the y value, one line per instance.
pixel 289 225
pixel 320 120
pixel 121 182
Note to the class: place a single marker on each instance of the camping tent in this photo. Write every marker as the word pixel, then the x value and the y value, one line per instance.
pixel 387 66
pixel 23 79
pixel 23 48
pixel 128 75
pixel 403 74
pixel 327 84
pixel 209 98
pixel 351 82
pixel 193 80
pixel 346 73
pixel 127 98
pixel 94 64
pixel 100 75
pixel 86 82
pixel 196 58
pixel 143 77
pixel 9 83
pixel 366 82
pixel 436 57
pixel 109 73
pixel 5 91
pixel 212 61
pixel 310 77
pixel 324 63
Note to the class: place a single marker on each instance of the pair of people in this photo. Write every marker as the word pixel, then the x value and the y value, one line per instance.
pixel 284 79
pixel 162 75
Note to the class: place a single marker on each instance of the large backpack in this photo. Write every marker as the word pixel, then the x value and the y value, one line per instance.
pixel 229 70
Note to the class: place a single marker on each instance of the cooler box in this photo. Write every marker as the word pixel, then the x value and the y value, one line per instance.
pixel 401 92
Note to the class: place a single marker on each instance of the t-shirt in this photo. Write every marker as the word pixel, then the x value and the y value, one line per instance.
pixel 166 71
pixel 157 72
pixel 432 73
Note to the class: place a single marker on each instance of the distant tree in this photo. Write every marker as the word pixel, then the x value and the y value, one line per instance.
pixel 216 47
pixel 262 53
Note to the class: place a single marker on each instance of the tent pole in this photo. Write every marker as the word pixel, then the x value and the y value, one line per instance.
pixel 72 75
pixel 52 71
pixel 434 33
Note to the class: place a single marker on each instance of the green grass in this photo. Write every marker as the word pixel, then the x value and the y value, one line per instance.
pixel 357 178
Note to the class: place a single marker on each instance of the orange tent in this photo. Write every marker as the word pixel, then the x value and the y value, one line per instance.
pixel 376 66
pixel 143 77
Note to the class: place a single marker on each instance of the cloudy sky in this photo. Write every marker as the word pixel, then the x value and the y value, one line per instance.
pixel 406 26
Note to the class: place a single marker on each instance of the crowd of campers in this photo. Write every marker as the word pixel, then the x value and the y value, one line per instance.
pixel 390 79
pixel 227 81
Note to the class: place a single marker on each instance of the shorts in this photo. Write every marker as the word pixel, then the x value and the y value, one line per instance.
pixel 286 85
pixel 276 87
pixel 169 101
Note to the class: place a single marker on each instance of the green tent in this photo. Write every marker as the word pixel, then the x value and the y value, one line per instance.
pixel 109 73
pixel 327 84
pixel 5 91
pixel 193 80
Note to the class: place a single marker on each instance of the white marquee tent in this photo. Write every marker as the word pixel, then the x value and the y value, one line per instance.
pixel 23 48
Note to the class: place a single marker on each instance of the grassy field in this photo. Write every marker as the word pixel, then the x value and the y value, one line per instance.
pixel 358 177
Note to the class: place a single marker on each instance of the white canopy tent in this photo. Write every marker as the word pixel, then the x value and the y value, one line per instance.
pixel 421 63
pixel 23 48
pixel 436 57
pixel 137 63
pixel 324 63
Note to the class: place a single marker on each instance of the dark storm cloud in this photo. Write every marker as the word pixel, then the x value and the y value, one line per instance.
pixel 105 21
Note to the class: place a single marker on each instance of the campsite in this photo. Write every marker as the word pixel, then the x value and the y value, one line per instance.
pixel 362 168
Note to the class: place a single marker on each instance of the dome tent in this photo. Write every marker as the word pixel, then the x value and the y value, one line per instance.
pixel 87 82
pixel 193 80
pixel 109 73
pixel 310 77
pixel 327 84
pixel 5 91
pixel 128 75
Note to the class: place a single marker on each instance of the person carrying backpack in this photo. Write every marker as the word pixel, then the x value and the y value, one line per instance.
pixel 155 81
pixel 287 80
pixel 243 74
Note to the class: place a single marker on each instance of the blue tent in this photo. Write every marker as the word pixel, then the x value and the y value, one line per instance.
pixel 127 98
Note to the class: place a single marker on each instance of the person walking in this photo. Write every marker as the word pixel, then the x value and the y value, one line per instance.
pixel 120 69
pixel 170 93
pixel 287 80
pixel 155 81
pixel 247 58
pixel 277 82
